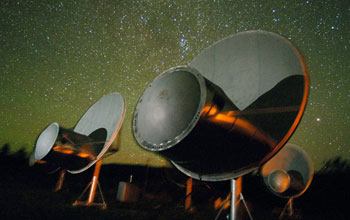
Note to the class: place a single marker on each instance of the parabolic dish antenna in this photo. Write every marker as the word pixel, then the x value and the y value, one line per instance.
pixel 249 64
pixel 91 138
pixel 229 111
pixel 289 173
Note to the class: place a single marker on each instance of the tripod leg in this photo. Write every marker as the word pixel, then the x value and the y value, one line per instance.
pixel 287 208
pixel 60 180
pixel 94 182
pixel 246 207
pixel 188 194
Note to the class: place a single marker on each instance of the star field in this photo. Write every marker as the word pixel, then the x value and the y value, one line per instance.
pixel 58 58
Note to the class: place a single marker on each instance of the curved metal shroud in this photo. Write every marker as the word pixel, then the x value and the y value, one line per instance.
pixel 219 141
pixel 296 164
pixel 68 149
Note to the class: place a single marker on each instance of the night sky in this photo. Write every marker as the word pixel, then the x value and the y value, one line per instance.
pixel 58 58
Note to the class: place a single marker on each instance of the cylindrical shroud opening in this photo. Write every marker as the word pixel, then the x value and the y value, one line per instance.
pixel 65 148
pixel 189 120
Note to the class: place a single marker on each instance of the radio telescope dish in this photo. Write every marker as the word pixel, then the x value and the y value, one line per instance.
pixel 249 64
pixel 91 138
pixel 289 173
pixel 229 111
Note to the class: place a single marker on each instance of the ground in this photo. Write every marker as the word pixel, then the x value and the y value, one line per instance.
pixel 28 193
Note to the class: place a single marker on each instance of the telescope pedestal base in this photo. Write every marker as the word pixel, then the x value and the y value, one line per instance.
pixel 287 210
pixel 90 202
pixel 93 185
pixel 236 198
pixel 80 203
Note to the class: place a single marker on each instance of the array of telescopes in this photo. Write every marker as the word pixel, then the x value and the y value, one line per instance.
pixel 228 112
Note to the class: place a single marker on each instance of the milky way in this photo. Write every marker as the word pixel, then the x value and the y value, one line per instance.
pixel 58 58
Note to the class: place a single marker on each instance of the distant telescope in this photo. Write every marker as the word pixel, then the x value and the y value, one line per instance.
pixel 288 174
pixel 227 112
pixel 78 149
